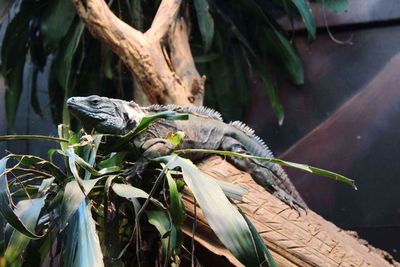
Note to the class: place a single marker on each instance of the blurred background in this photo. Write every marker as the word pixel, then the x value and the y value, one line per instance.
pixel 345 116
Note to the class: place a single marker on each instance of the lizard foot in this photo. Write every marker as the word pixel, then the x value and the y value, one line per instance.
pixel 137 169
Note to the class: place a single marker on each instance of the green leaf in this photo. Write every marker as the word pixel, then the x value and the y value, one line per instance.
pixel 261 247
pixel 55 22
pixel 13 54
pixel 232 191
pixel 305 12
pixel 5 205
pixel 116 160
pixel 28 211
pixel 273 97
pixel 167 231
pixel 284 54
pixel 73 197
pixel 336 6
pixel 82 247
pixel 299 166
pixel 177 208
pixel 205 21
pixel 129 192
pixel 31 137
pixel 224 218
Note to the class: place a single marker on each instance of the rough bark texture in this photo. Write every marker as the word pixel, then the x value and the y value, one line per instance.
pixel 160 59
pixel 145 54
pixel 306 240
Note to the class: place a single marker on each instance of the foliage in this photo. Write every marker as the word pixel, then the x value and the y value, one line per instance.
pixel 87 214
pixel 232 42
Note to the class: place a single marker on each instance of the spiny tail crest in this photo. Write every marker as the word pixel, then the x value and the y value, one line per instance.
pixel 201 110
pixel 250 132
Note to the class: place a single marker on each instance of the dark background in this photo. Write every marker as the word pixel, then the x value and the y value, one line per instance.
pixel 345 118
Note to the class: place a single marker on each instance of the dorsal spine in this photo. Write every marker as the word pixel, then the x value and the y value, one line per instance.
pixel 201 110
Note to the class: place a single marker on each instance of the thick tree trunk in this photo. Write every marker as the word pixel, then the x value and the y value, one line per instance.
pixel 161 62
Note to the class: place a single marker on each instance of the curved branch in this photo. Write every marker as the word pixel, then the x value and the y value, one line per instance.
pixel 182 61
pixel 143 56
pixel 165 17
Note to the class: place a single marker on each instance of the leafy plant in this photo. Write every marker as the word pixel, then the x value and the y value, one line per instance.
pixel 232 42
pixel 88 209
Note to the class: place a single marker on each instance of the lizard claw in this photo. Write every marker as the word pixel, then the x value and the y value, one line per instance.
pixel 137 169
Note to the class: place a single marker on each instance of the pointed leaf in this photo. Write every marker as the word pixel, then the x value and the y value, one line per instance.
pixel 336 6
pixel 305 12
pixel 5 205
pixel 73 197
pixel 205 21
pixel 55 22
pixel 166 229
pixel 224 218
pixel 82 247
pixel 28 211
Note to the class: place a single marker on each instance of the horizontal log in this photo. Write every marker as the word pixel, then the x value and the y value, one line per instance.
pixel 294 239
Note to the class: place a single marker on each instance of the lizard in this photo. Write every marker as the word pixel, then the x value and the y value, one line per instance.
pixel 204 129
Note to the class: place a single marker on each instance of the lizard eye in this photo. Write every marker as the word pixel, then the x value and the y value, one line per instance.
pixel 95 101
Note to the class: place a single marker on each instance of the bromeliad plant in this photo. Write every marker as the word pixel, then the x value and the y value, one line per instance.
pixel 88 214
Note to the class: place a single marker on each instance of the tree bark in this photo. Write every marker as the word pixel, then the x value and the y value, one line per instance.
pixel 146 55
pixel 162 64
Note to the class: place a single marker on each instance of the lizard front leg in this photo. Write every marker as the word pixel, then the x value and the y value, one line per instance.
pixel 150 149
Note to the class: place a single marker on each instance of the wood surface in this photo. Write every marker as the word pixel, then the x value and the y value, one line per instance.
pixel 294 239
pixel 156 70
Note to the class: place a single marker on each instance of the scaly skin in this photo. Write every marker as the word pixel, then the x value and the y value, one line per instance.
pixel 203 130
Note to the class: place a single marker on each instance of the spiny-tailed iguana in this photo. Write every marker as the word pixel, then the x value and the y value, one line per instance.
pixel 204 129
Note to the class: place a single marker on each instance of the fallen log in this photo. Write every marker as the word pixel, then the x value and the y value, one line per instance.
pixel 294 239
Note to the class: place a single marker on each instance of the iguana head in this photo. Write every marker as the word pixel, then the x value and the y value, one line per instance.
pixel 105 115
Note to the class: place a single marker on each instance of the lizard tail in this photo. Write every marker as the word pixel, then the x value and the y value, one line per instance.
pixel 257 147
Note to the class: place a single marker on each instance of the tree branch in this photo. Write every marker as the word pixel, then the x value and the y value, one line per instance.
pixel 165 17
pixel 143 55
pixel 183 63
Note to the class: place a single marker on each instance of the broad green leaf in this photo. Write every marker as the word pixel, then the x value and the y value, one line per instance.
pixel 232 191
pixel 305 12
pixel 299 166
pixel 5 205
pixel 205 21
pixel 55 21
pixel 28 211
pixel 73 197
pixel 284 54
pixel 129 192
pixel 64 63
pixel 132 193
pixel 115 160
pixel 224 218
pixel 262 249
pixel 82 246
pixel 336 6
pixel 13 54
pixel 166 229
pixel 272 95
pixel 177 208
